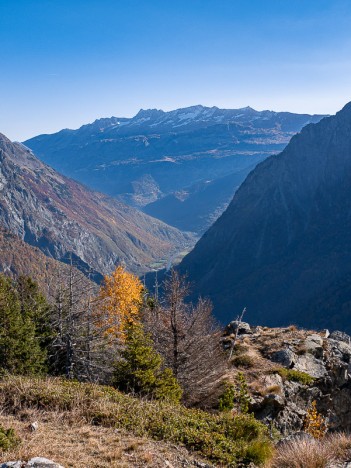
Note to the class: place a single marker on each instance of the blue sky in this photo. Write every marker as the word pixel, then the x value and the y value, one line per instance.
pixel 68 62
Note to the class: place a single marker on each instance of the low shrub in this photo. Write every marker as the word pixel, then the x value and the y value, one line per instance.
pixel 8 439
pixel 222 438
pixel 235 396
pixel 243 360
pixel 240 348
pixel 295 376
pixel 226 400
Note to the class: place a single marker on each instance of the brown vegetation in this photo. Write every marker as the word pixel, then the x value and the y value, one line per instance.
pixel 222 438
pixel 313 453
pixel 20 259
pixel 188 338
pixel 80 445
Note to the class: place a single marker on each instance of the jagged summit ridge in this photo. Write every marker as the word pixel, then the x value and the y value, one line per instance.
pixel 185 116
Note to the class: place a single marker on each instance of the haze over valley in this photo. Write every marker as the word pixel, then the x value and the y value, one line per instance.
pixel 182 167
pixel 175 234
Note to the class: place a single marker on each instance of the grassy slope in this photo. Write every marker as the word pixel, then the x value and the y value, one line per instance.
pixel 223 439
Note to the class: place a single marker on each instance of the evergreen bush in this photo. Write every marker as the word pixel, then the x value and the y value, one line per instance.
pixel 8 439
pixel 140 370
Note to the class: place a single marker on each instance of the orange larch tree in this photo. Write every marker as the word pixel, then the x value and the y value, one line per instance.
pixel 120 300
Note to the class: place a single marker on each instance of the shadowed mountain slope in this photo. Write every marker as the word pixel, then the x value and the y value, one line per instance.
pixel 283 246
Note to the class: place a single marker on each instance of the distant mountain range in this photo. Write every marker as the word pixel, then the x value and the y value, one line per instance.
pixel 182 167
pixel 283 246
pixel 63 218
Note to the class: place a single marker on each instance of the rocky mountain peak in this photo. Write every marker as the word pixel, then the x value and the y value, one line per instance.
pixel 148 114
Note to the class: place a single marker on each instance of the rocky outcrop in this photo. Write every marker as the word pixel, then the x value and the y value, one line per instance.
pixel 292 368
pixel 241 328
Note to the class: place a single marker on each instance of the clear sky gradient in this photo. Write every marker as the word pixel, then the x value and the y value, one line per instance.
pixel 67 62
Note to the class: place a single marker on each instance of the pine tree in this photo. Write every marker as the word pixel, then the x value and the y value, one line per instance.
pixel 35 307
pixel 243 395
pixel 20 351
pixel 140 368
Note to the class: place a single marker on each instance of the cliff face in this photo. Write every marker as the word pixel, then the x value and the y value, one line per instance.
pixel 62 217
pixel 284 244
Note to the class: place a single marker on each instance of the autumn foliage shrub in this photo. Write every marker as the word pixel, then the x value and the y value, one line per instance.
pixel 315 424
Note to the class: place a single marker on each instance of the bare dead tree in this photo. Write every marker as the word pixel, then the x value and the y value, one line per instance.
pixel 80 348
pixel 238 320
pixel 188 338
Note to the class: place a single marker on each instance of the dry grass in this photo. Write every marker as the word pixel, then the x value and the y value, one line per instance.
pixel 275 389
pixel 65 407
pixel 302 454
pixel 81 445
pixel 312 453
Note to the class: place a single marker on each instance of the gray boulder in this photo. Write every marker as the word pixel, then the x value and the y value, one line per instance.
pixel 13 464
pixel 312 366
pixel 314 345
pixel 40 462
pixel 341 349
pixel 242 327
pixel 340 336
pixel 286 357
pixel 37 462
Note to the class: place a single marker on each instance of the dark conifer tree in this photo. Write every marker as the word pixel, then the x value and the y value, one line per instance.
pixel 20 350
